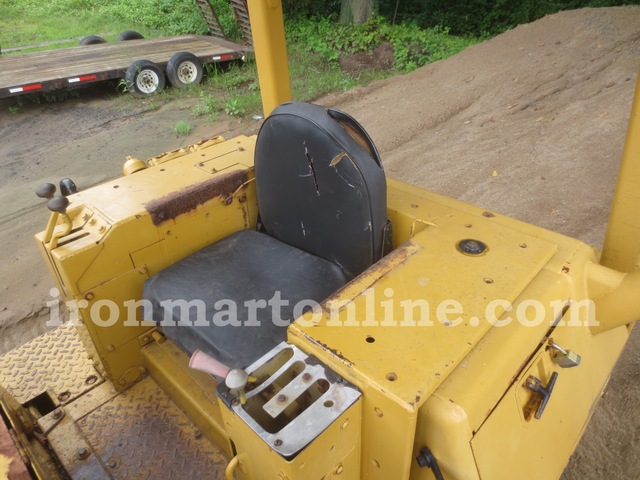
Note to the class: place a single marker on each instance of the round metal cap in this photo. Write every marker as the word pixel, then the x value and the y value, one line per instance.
pixel 470 246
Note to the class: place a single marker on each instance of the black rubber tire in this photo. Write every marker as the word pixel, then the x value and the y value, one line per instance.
pixel 129 35
pixel 92 40
pixel 144 78
pixel 184 69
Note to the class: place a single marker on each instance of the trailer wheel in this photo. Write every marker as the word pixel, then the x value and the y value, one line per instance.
pixel 92 40
pixel 144 78
pixel 184 69
pixel 129 35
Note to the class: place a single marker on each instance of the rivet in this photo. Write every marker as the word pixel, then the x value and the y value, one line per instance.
pixel 345 424
pixel 306 376
pixel 338 470
pixel 110 348
pixel 57 413
pixel 277 442
pixel 88 296
pixel 378 412
pixel 375 463
pixel 282 398
pixel 197 434
pixel 112 464
pixel 83 453
pixel 122 381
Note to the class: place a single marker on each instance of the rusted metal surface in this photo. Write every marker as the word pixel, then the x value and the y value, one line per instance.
pixel 183 201
pixel 55 362
pixel 11 464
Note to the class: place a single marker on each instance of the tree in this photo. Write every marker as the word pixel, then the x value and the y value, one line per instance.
pixel 357 11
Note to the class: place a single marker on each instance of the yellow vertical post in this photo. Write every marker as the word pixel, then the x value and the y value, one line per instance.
pixel 267 27
pixel 621 249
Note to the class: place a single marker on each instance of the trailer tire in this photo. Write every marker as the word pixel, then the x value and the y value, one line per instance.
pixel 144 78
pixel 91 40
pixel 184 69
pixel 129 35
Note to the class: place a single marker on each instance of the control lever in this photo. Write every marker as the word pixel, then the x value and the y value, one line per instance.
pixel 58 206
pixel 236 379
pixel 534 384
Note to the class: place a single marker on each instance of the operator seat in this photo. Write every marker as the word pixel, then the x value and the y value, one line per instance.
pixel 322 204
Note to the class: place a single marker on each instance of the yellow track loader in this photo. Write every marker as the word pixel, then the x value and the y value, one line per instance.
pixel 275 307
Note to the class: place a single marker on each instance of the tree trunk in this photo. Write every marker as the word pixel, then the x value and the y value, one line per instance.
pixel 356 11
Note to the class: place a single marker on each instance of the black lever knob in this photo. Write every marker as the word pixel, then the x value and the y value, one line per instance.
pixel 58 204
pixel 46 190
pixel 67 187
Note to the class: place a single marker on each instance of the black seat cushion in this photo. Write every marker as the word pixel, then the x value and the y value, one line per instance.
pixel 321 186
pixel 243 267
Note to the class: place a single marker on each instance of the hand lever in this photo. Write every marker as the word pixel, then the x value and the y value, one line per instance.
pixel 535 385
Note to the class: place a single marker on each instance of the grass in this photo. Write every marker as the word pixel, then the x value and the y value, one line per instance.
pixel 20 30
pixel 182 127
pixel 314 48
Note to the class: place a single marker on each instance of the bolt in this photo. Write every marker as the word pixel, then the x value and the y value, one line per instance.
pixel 112 464
pixel 83 453
pixel 57 413
pixel 277 442
pixel 306 376
pixel 228 200
pixel 242 198
pixel 282 398
pixel 197 434
pixel 88 296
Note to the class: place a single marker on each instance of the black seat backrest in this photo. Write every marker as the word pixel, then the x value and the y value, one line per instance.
pixel 321 186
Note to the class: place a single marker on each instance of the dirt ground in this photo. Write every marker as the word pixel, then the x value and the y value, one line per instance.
pixel 530 124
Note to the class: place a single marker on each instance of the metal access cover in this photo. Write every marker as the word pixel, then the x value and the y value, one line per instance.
pixel 55 362
pixel 142 433
pixel 294 400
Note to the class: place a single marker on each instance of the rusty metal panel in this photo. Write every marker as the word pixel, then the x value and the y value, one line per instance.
pixel 141 433
pixel 55 362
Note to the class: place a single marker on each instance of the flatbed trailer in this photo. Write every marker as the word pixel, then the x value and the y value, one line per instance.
pixel 69 67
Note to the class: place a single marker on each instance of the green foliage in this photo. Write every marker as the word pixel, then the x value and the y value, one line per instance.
pixel 234 108
pixel 32 21
pixel 413 47
pixel 311 8
pixel 481 17
pixel 13 109
pixel 182 127
pixel 209 105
